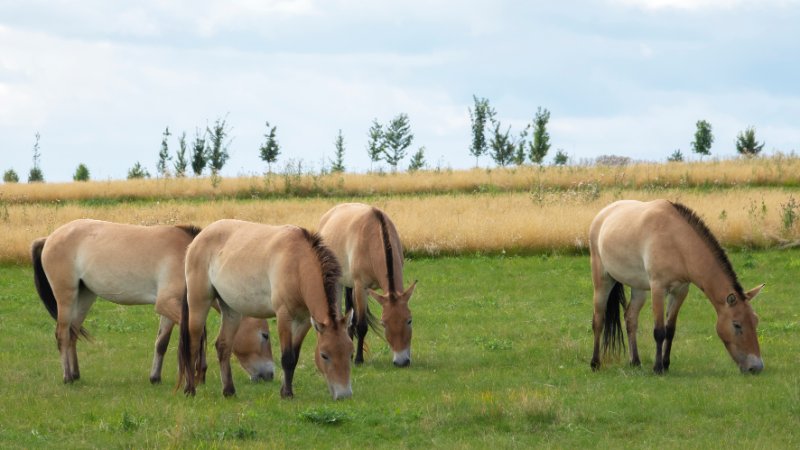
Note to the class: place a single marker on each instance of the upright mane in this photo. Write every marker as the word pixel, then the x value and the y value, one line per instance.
pixel 705 234
pixel 387 248
pixel 191 230
pixel 331 271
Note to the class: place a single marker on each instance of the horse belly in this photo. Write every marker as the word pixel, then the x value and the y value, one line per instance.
pixel 122 290
pixel 629 272
pixel 255 301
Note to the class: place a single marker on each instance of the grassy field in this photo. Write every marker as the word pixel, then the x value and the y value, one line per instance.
pixel 501 359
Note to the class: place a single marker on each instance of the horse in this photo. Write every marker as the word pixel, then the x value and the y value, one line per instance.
pixel 367 245
pixel 127 265
pixel 264 271
pixel 664 247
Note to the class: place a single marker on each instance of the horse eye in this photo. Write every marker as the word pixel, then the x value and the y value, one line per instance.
pixel 265 336
pixel 324 356
pixel 737 328
pixel 409 322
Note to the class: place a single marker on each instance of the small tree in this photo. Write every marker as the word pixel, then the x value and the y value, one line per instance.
pixel 541 138
pixel 703 138
pixel 10 176
pixel 376 143
pixel 417 160
pixel 397 139
pixel 36 175
pixel 81 173
pixel 501 145
pixel 217 146
pixel 519 152
pixel 270 149
pixel 199 153
pixel 561 158
pixel 337 165
pixel 746 143
pixel 163 155
pixel 677 156
pixel 180 157
pixel 479 117
pixel 137 171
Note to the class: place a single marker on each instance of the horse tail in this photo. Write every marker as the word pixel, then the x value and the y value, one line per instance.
pixel 185 370
pixel 43 287
pixel 613 339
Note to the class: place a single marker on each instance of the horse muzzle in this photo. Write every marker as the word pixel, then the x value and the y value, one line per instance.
pixel 264 372
pixel 753 364
pixel 340 391
pixel 402 358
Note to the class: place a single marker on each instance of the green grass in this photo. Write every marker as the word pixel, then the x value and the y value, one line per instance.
pixel 501 358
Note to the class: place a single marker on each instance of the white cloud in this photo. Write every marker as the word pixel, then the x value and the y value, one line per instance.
pixel 695 5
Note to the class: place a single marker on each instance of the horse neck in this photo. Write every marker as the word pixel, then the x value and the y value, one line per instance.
pixel 706 272
pixel 316 301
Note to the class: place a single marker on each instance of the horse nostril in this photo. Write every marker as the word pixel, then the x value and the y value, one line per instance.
pixel 403 363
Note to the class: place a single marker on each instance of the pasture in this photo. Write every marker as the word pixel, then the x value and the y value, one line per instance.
pixel 501 358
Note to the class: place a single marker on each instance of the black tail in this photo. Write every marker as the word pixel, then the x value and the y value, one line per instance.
pixel 613 338
pixel 43 287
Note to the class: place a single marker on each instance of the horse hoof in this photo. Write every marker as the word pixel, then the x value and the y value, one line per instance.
pixel 595 366
pixel 228 392
pixel 155 380
pixel 189 391
pixel 287 394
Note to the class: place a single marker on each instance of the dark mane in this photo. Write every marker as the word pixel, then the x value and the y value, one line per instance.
pixel 191 230
pixel 719 253
pixel 331 271
pixel 387 248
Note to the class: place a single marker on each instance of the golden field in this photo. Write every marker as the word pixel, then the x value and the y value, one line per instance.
pixel 776 171
pixel 541 220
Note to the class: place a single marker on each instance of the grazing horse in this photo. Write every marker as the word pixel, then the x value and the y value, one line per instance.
pixel 662 247
pixel 265 271
pixel 368 247
pixel 128 265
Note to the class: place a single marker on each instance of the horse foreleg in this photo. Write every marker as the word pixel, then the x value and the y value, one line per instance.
pixel 638 297
pixel 676 298
pixel 659 331
pixel 165 326
pixel 288 356
pixel 230 324
pixel 360 320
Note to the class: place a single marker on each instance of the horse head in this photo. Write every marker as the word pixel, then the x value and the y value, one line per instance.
pixel 396 322
pixel 253 350
pixel 736 326
pixel 333 355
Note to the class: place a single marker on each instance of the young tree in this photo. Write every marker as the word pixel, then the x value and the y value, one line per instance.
pixel 677 156
pixel 376 143
pixel 36 175
pixel 519 153
pixel 270 149
pixel 180 157
pixel 137 171
pixel 337 165
pixel 479 117
pixel 81 173
pixel 397 138
pixel 541 138
pixel 561 158
pixel 417 160
pixel 163 155
pixel 703 138
pixel 217 146
pixel 10 176
pixel 501 145
pixel 199 153
pixel 746 143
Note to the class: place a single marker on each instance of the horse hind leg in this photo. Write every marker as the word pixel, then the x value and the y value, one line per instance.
pixel 638 298
pixel 227 332
pixel 360 322
pixel 165 327
pixel 601 291
pixel 85 299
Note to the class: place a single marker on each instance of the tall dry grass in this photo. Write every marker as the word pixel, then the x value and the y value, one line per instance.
pixel 541 221
pixel 779 170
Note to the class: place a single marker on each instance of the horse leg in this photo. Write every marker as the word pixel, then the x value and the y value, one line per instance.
pixel 227 332
pixel 67 303
pixel 86 299
pixel 348 306
pixel 638 296
pixel 288 357
pixel 602 289
pixel 193 325
pixel 360 320
pixel 676 298
pixel 659 332
pixel 165 326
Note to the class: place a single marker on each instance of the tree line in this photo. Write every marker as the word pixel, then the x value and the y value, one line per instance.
pixel 387 142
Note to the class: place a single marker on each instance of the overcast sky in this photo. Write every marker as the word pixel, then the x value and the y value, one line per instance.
pixel 100 80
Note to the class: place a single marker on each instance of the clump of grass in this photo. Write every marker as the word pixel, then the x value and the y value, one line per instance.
pixel 324 416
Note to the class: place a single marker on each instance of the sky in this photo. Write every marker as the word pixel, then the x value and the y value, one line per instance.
pixel 101 80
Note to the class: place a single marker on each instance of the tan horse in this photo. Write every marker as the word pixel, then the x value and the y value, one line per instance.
pixel 265 271
pixel 368 247
pixel 662 247
pixel 128 265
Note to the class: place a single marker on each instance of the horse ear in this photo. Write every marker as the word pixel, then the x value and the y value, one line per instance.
pixel 410 290
pixel 382 299
pixel 347 320
pixel 318 326
pixel 752 293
